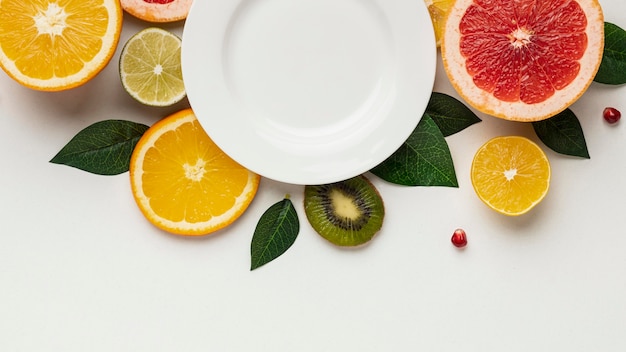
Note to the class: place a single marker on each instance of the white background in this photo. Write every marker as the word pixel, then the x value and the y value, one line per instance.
pixel 82 270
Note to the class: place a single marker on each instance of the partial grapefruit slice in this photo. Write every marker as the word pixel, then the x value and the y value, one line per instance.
pixel 523 60
pixel 158 10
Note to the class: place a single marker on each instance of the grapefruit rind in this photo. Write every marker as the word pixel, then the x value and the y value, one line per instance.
pixel 456 70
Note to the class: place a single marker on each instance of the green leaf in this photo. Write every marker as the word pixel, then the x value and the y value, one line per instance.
pixel 450 114
pixel 275 233
pixel 103 148
pixel 613 66
pixel 563 134
pixel 423 160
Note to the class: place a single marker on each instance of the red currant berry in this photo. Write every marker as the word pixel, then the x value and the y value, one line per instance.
pixel 612 115
pixel 459 238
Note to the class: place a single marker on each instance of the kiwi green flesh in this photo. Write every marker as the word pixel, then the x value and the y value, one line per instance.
pixel 346 213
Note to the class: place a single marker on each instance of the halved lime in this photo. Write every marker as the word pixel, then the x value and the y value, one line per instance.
pixel 150 67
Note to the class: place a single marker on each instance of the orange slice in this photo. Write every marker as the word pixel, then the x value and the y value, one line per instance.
pixel 158 10
pixel 510 174
pixel 183 183
pixel 54 45
pixel 438 10
pixel 523 60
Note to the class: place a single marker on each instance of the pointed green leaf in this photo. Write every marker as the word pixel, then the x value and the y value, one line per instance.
pixel 275 233
pixel 103 148
pixel 563 134
pixel 423 160
pixel 450 114
pixel 613 66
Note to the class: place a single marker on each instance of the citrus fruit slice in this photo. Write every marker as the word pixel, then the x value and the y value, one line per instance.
pixel 157 10
pixel 510 174
pixel 55 45
pixel 183 183
pixel 150 67
pixel 438 10
pixel 523 60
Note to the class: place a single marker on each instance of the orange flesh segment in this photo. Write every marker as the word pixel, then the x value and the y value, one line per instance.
pixel 523 59
pixel 68 53
pixel 178 162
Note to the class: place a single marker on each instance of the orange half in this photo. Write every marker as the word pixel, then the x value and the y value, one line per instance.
pixel 183 183
pixel 438 11
pixel 511 174
pixel 54 45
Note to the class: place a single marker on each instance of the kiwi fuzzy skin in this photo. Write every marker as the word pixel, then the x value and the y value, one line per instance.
pixel 343 231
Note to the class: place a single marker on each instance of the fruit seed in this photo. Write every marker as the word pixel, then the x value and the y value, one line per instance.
pixel 611 115
pixel 459 238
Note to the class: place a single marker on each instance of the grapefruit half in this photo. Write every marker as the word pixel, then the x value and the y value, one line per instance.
pixel 158 10
pixel 523 60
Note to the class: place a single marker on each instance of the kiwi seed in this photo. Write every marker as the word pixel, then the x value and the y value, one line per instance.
pixel 346 213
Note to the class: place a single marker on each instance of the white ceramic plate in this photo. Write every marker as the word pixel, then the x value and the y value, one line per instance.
pixel 309 91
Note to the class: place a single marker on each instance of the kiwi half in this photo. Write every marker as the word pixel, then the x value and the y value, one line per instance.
pixel 346 213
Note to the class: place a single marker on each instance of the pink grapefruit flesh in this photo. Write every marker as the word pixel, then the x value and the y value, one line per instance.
pixel 523 60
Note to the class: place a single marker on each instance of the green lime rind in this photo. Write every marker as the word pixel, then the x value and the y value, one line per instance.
pixel 320 203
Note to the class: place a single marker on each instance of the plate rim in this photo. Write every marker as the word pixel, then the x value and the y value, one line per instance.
pixel 191 51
